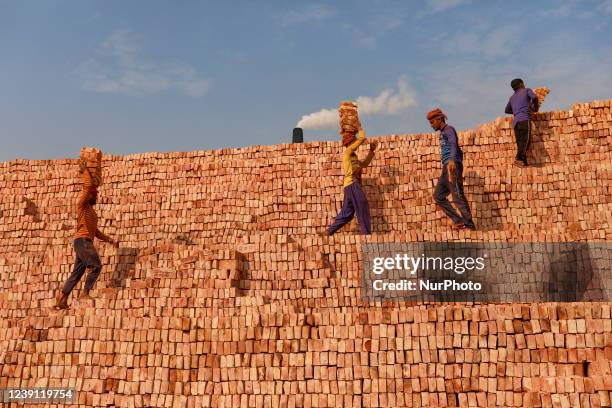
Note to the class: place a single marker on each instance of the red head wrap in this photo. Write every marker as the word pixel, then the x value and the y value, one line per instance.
pixel 347 138
pixel 436 113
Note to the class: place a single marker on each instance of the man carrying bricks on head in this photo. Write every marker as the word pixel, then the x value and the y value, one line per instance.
pixel 451 179
pixel 87 230
pixel 520 105
pixel 354 197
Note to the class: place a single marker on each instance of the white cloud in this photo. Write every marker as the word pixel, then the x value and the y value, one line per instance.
pixel 387 102
pixel 323 119
pixel 119 66
pixel 437 6
pixel 307 13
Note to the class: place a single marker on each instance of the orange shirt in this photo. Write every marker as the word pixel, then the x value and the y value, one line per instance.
pixel 87 219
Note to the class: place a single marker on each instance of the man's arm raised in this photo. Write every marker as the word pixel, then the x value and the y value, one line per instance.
pixel 89 185
pixel 360 139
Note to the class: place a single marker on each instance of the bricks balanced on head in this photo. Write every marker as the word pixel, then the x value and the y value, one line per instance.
pixel 92 158
pixel 349 117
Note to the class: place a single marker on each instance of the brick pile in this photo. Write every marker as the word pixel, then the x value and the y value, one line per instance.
pixel 222 294
pixel 541 94
pixel 349 117
pixel 92 159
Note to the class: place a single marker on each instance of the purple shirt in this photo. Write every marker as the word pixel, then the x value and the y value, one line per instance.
pixel 520 105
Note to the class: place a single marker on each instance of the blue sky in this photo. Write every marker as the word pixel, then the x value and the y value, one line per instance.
pixel 140 76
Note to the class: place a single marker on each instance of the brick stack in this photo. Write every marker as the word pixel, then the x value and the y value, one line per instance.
pixel 541 94
pixel 92 158
pixel 222 294
pixel 349 117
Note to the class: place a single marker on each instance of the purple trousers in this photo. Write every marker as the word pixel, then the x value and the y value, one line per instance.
pixel 354 201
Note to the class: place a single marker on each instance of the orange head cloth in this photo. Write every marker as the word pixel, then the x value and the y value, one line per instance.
pixel 436 113
pixel 347 138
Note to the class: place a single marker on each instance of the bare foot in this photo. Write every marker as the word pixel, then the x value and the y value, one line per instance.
pixel 61 300
pixel 519 163
pixel 85 296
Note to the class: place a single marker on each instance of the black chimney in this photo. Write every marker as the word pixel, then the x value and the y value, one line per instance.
pixel 298 135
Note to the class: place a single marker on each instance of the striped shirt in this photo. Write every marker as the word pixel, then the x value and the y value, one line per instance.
pixel 87 219
pixel 450 145
pixel 351 165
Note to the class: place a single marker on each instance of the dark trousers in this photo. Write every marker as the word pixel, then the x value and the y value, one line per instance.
pixel 522 134
pixel 86 257
pixel 444 188
pixel 355 201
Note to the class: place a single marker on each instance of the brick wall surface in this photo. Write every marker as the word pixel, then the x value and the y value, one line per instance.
pixel 222 294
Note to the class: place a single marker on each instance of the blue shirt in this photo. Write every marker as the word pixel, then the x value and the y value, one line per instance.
pixel 520 105
pixel 449 144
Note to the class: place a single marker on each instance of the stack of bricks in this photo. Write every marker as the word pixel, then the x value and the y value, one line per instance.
pixel 92 158
pixel 222 294
pixel 541 94
pixel 349 117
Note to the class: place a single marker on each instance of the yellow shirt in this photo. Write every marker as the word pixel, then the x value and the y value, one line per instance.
pixel 351 165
